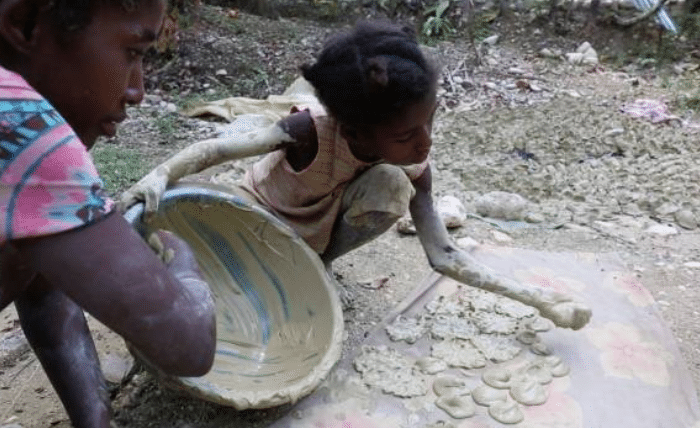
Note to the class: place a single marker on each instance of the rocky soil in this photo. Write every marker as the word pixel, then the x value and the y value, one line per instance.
pixel 600 174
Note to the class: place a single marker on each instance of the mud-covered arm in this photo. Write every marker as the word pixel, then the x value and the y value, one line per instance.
pixel 450 260
pixel 200 156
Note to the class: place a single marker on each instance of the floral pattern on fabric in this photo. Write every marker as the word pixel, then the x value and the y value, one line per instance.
pixel 560 410
pixel 625 354
pixel 628 284
pixel 545 278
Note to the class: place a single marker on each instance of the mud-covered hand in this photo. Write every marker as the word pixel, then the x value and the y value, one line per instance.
pixel 148 190
pixel 458 264
pixel 563 310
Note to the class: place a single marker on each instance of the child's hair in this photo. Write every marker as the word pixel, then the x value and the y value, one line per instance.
pixel 367 76
pixel 71 16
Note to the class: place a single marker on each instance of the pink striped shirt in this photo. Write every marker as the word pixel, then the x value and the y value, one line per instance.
pixel 48 182
pixel 309 200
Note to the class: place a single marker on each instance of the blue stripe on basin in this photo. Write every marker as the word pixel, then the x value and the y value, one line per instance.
pixel 238 272
pixel 274 279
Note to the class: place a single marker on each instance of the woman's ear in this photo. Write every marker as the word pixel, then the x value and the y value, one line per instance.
pixel 18 23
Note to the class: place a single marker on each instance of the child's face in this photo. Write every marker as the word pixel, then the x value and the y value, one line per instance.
pixel 405 140
pixel 92 79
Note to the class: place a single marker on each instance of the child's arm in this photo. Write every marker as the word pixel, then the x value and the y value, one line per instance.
pixel 202 155
pixel 449 260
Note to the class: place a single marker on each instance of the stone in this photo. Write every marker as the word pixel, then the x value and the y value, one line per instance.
pixel 534 218
pixel 451 211
pixel 405 226
pixel 467 242
pixel 116 367
pixel 500 237
pixel 549 53
pixel 502 205
pixel 662 230
pixel 491 40
pixel 686 219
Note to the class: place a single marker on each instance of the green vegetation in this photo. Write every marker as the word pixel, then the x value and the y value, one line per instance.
pixel 437 22
pixel 165 123
pixel 221 18
pixel 119 167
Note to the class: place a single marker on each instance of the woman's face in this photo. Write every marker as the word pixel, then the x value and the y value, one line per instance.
pixel 92 78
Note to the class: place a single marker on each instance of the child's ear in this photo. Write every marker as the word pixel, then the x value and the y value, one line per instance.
pixel 18 23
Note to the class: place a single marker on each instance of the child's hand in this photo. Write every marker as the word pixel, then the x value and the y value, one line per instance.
pixel 564 311
pixel 148 190
pixel 560 308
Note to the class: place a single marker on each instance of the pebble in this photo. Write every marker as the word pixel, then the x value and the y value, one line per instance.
pixel 451 211
pixel 491 40
pixel 115 367
pixel 548 53
pixel 405 226
pixel 467 242
pixel 662 230
pixel 500 237
pixel 502 205
pixel 13 344
pixel 614 132
pixel 693 265
pixel 534 218
pixel 686 219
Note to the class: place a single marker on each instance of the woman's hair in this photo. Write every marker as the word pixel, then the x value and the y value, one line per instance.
pixel 368 75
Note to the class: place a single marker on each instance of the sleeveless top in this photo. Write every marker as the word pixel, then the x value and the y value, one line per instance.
pixel 309 200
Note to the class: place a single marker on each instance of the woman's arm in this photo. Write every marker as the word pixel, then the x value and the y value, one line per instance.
pixel 166 312
pixel 451 261
pixel 204 154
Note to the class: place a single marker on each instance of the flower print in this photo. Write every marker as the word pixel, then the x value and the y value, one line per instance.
pixel 625 354
pixel 628 284
pixel 547 279
pixel 560 410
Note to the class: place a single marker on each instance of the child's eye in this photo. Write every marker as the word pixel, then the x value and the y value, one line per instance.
pixel 404 138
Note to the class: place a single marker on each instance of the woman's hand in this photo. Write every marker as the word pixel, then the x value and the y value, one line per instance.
pixel 175 253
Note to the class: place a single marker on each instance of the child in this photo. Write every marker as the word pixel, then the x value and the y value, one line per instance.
pixel 343 173
pixel 67 72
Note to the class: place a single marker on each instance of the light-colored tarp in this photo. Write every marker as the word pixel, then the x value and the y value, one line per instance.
pixel 625 366
pixel 273 108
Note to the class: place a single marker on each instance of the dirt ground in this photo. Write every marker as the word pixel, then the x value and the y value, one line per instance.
pixel 524 120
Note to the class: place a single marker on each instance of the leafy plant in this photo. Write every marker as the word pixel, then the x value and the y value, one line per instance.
pixel 437 22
